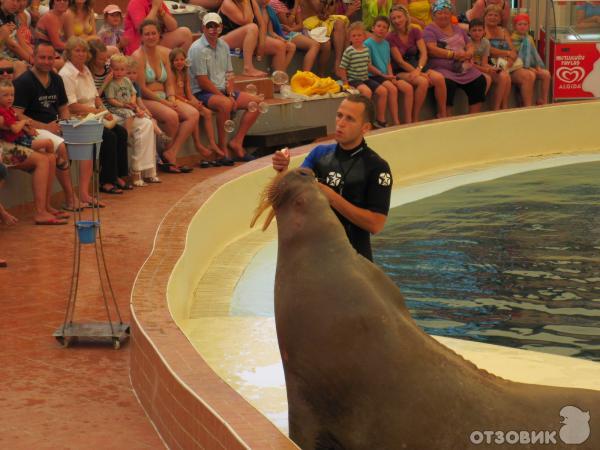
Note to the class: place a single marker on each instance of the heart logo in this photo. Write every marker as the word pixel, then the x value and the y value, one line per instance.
pixel 570 75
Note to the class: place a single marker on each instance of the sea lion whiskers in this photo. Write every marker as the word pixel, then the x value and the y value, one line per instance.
pixel 275 194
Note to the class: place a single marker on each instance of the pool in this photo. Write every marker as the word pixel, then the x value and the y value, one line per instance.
pixel 513 261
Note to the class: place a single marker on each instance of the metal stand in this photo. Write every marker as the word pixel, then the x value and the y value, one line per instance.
pixel 71 331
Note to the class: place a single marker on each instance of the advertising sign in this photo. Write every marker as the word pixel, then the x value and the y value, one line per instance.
pixel 576 70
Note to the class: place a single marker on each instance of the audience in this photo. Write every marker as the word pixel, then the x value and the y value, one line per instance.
pixel 409 57
pixel 82 99
pixel 51 27
pixel 503 54
pixel 171 35
pixel 177 118
pixel 450 52
pixel 181 82
pixel 213 86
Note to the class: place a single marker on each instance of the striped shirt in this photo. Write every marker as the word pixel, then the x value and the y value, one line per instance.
pixel 356 63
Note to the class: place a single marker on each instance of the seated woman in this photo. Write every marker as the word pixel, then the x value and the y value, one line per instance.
pixel 23 34
pixel 502 47
pixel 51 26
pixel 244 28
pixel 171 35
pixel 288 13
pixel 267 32
pixel 82 98
pixel 449 50
pixel 81 20
pixel 178 119
pixel 42 167
pixel 409 60
pixel 419 11
pixel 478 11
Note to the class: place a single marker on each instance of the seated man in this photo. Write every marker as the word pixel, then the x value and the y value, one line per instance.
pixel 40 96
pixel 211 76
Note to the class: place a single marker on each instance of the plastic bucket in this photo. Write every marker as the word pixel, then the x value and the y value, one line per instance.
pixel 86 230
pixel 80 140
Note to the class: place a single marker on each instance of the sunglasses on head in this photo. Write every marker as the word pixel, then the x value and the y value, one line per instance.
pixel 6 70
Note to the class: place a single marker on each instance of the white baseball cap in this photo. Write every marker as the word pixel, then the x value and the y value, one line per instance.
pixel 211 17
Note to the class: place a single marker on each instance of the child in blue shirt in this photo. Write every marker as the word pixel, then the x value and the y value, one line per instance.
pixel 381 71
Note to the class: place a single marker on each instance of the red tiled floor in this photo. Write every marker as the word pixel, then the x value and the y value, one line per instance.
pixel 80 397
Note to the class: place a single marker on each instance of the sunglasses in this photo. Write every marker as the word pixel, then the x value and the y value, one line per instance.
pixel 212 25
pixel 114 14
pixel 6 70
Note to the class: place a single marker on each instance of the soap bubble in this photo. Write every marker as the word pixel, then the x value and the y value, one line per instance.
pixel 285 90
pixel 252 106
pixel 279 77
pixel 297 103
pixel 251 89
pixel 188 62
pixel 229 126
pixel 261 97
pixel 263 107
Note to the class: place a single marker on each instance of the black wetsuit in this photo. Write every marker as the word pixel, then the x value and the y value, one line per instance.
pixel 360 176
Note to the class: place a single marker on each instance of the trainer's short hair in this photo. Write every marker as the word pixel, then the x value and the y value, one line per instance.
pixel 369 111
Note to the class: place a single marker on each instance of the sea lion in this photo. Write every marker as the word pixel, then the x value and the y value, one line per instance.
pixel 360 374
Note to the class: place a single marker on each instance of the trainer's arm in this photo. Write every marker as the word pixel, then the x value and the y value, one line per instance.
pixel 367 220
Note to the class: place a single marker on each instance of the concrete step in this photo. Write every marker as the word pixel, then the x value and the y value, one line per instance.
pixel 269 141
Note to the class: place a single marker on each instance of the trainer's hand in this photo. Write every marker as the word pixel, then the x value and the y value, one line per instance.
pixel 281 159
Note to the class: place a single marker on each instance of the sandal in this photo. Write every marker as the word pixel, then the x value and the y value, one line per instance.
pixel 3 263
pixel 184 169
pixel 114 190
pixel 126 187
pixel 68 208
pixel 168 167
pixel 204 164
pixel 152 180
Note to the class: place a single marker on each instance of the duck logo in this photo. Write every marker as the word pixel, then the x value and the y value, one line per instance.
pixel 333 179
pixel 385 179
pixel 576 428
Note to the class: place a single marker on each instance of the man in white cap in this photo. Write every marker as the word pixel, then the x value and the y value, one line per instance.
pixel 212 83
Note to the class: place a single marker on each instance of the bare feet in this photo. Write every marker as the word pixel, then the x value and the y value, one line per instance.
pixel 48 219
pixel 217 150
pixel 204 151
pixel 252 72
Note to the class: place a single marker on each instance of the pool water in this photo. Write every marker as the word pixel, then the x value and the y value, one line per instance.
pixel 513 261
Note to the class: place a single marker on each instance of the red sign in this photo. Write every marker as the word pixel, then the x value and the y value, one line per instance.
pixel 576 70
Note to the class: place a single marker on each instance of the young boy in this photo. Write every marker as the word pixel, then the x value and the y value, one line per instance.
pixel 525 46
pixel 20 131
pixel 380 70
pixel 493 74
pixel 354 71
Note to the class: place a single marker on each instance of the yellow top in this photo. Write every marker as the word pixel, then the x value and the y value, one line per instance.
pixel 83 28
pixel 420 9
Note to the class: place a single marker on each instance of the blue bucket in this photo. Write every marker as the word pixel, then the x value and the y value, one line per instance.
pixel 80 140
pixel 86 230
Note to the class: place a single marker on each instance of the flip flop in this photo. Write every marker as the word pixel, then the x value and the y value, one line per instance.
pixel 3 263
pixel 68 208
pixel 89 205
pixel 226 162
pixel 125 187
pixel 61 215
pixel 113 190
pixel 184 169
pixel 54 221
pixel 204 164
pixel 168 168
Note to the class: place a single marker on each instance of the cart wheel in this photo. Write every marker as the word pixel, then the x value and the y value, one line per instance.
pixel 116 343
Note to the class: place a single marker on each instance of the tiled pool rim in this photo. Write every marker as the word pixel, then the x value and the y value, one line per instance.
pixel 188 403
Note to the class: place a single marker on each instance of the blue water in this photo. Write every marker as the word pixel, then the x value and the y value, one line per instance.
pixel 514 261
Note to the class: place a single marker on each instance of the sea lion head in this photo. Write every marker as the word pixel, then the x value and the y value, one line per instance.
pixel 295 190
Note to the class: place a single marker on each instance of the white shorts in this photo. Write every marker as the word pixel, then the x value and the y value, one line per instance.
pixel 45 134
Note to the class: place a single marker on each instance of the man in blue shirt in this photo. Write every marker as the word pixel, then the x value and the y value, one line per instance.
pixel 356 180
pixel 211 77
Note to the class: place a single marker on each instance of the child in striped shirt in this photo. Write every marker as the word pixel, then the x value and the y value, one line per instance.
pixel 354 70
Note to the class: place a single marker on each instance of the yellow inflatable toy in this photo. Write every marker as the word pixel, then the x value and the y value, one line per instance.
pixel 307 83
